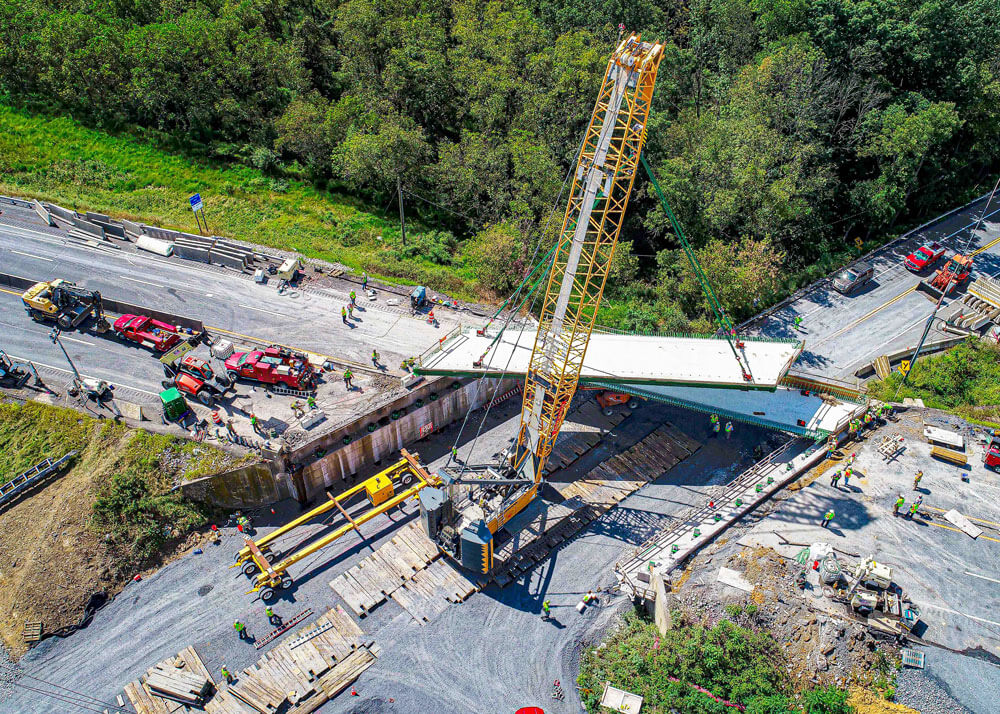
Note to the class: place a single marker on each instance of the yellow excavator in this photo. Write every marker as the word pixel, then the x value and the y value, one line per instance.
pixel 64 303
pixel 470 506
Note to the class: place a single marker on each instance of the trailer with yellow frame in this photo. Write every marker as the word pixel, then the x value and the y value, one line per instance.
pixel 259 558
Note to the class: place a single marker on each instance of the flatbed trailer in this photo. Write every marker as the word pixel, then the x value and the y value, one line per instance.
pixel 260 560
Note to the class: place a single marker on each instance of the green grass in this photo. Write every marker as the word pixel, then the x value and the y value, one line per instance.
pixel 34 432
pixel 62 161
pixel 733 662
pixel 965 380
pixel 133 510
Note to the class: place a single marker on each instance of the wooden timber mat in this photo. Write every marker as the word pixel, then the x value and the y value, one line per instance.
pixel 309 667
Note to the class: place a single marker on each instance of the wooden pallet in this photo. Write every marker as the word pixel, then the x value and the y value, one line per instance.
pixel 149 700
pixel 368 584
pixel 432 590
pixel 32 631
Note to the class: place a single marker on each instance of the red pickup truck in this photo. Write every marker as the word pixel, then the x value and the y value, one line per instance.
pixel 924 256
pixel 156 335
pixel 273 365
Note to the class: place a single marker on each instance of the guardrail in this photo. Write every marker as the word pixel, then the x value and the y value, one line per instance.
pixel 439 346
pixel 601 330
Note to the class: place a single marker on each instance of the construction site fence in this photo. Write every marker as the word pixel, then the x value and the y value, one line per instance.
pixel 885 248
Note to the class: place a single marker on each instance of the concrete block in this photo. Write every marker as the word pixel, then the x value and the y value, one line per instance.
pixel 59 211
pixel 223 258
pixel 191 253
pixel 43 213
pixel 110 229
pixel 85 225
pixel 312 418
pixel 132 228
pixel 97 217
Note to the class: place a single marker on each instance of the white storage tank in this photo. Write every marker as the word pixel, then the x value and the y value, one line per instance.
pixel 155 245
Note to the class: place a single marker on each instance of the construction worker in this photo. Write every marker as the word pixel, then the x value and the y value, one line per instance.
pixel 350 311
pixel 835 478
pixel 545 610
pixel 848 472
pixel 375 357
pixel 715 429
pixel 850 459
pixel 729 429
pixel 714 419
pixel 254 424
pixel 241 629
pixel 348 376
pixel 898 504
pixel 915 506
pixel 271 617
pixel 827 517
pixel 297 408
pixel 311 402
pixel 916 480
pixel 454 453
pixel 589 597
pixel 343 314
pixel 364 281
pixel 798 322
pixel 354 298
pixel 227 674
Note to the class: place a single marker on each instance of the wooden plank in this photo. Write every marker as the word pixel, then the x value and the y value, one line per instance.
pixel 137 697
pixel 349 591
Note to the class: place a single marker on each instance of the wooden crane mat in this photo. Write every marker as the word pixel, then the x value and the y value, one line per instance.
pixel 628 471
pixel 432 590
pixel 368 584
pixel 583 428
pixel 312 664
pixel 149 694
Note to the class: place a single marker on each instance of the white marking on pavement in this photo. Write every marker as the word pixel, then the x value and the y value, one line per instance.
pixel 270 312
pixel 31 255
pixel 73 339
pixel 977 575
pixel 144 282
pixel 956 612
pixel 89 376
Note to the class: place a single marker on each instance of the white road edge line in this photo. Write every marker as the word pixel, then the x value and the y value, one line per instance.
pixel 144 282
pixel 73 339
pixel 31 255
pixel 977 575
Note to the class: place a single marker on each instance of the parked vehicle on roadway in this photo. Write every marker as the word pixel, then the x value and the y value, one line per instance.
pixel 924 256
pixel 273 365
pixel 195 377
pixel 853 277
pixel 154 334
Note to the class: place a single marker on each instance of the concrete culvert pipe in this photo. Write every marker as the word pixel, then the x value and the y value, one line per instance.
pixel 155 245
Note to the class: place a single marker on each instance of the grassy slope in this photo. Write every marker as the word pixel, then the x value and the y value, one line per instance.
pixel 964 380
pixel 59 160
pixel 90 529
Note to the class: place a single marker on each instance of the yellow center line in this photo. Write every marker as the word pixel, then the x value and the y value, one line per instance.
pixel 986 247
pixel 866 316
pixel 982 537
pixel 941 510
pixel 12 292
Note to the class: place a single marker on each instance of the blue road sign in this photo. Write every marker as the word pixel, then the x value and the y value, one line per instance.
pixel 195 202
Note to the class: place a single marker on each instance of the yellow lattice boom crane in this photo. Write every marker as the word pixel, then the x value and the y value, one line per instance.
pixel 466 510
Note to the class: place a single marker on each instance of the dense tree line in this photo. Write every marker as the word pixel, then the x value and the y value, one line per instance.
pixel 782 129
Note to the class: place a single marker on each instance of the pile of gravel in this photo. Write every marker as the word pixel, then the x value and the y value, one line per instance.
pixel 918 689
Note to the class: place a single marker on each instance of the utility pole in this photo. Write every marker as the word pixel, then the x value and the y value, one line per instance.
pixel 54 336
pixel 402 217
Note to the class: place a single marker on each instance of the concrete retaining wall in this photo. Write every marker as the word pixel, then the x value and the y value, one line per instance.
pixel 124 308
pixel 246 487
pixel 930 347
pixel 385 442
pixel 15 282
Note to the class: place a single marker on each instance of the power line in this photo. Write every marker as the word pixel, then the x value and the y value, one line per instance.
pixel 94 701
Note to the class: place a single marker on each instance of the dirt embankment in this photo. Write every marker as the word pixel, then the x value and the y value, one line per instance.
pixel 54 553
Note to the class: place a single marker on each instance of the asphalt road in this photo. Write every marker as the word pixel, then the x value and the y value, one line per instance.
pixel 226 301
pixel 843 332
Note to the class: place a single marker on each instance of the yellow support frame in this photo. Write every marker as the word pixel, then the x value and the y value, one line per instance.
pixel 602 184
pixel 272 574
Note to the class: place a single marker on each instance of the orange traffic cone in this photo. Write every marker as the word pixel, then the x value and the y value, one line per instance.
pixel 216 418
pixel 354 692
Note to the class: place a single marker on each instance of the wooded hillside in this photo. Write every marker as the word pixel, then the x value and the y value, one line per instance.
pixel 782 129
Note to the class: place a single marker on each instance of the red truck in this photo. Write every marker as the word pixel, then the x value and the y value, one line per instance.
pixel 195 377
pixel 157 336
pixel 924 256
pixel 273 365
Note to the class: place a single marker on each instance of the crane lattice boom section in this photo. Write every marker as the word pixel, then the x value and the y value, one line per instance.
pixel 602 184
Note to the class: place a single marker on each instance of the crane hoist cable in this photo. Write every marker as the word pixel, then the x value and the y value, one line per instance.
pixel 725 324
